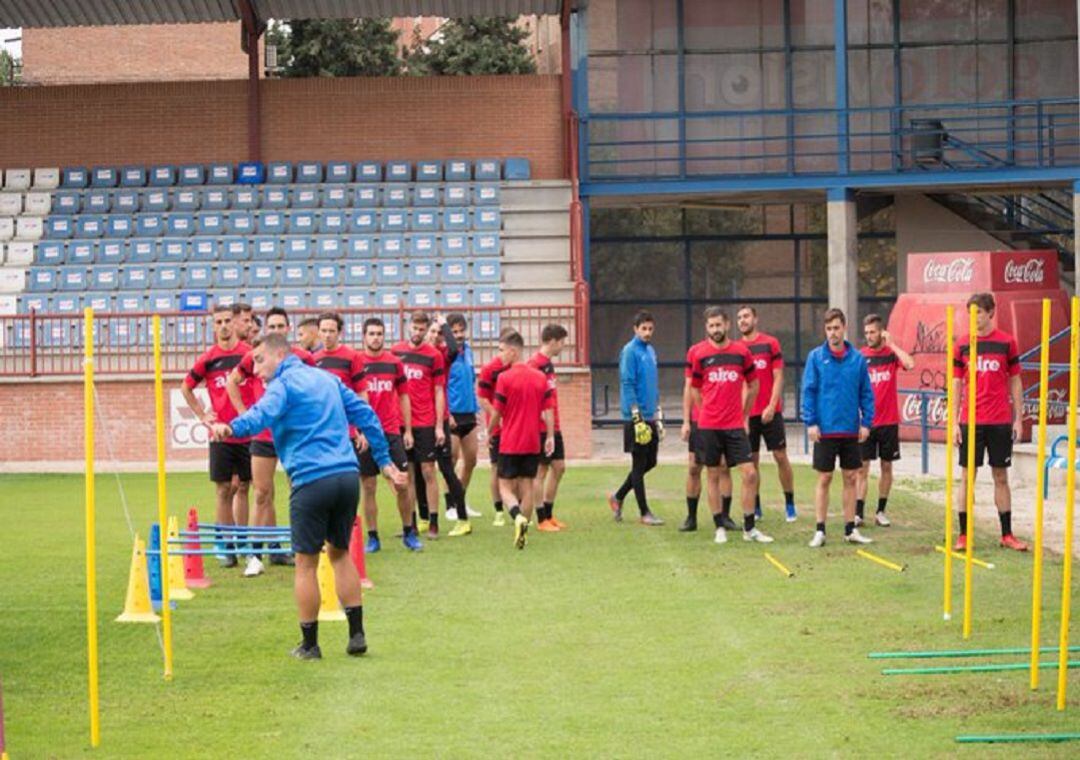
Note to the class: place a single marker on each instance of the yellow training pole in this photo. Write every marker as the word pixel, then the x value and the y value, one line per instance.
pixel 1070 495
pixel 969 483
pixel 91 539
pixel 950 424
pixel 1036 574
pixel 163 509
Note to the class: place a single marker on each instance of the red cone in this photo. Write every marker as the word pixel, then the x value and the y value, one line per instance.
pixel 193 564
pixel 356 551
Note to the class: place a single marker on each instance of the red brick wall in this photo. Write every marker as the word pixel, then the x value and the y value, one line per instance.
pixel 312 119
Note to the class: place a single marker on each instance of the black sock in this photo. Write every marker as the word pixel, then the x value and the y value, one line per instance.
pixel 257 548
pixel 446 500
pixel 310 632
pixel 541 514
pixel 373 534
pixel 881 503
pixel 748 522
pixel 789 498
pixel 626 487
pixel 1006 523
pixel 433 519
pixel 860 507
pixel 355 616
pixel 691 507
pixel 514 511
pixel 757 503
pixel 848 527
pixel 820 527
pixel 275 546
pixel 963 523
pixel 718 520
pixel 549 509
pixel 498 506
pixel 725 505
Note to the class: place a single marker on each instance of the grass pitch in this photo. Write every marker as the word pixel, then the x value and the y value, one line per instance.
pixel 607 640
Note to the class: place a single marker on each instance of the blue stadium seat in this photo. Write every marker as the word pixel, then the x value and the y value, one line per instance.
pixel 455 297
pixel 244 199
pixel 329 248
pixel 421 298
pixel 67 203
pixel 335 197
pixel 389 273
pixel 132 176
pixel 73 279
pixel 455 270
pixel 305 197
pixel 391 247
pixel 485 195
pixel 279 173
pixel 339 171
pixel 251 173
pixel 215 199
pixel 162 301
pixel 325 275
pixel 126 202
pixel 142 252
pixel 363 221
pixel 486 270
pixel 166 276
pixel 35 302
pixel 240 223
pixel 355 299
pixel 235 249
pixel 112 252
pixel 295 275
pixel 455 245
pixel 97 203
pixel 366 196
pixel 387 298
pixel 66 304
pixel 205 249
pixel 262 275
pixel 219 174
pixel 190 330
pixel 198 276
pixel 517 168
pixel 130 331
pixel 487 219
pixel 59 227
pixel 426 195
pixel 180 225
pixel 359 247
pixel 174 250
pixel 194 300
pixel 487 324
pixel 486 296
pixel 369 171
pixel 266 249
pixel 90 226
pixel 423 245
pixel 229 276
pixel 487 244
pixel 487 169
pixel 154 202
pixel 103 176
pixel 309 172
pixel 458 170
pixel 358 273
pixel 297 249
pixel 50 253
pixel 99 302
pixel 455 220
pixel 260 300
pixel 396 196
pixel 81 253
pixel 301 223
pixel 162 176
pixel 210 224
pixel 429 171
pixel 192 174
pixel 423 272
pixel 74 177
pixel 324 300
pixel 393 221
pixel 424 220
pixel 187 200
pixel 293 299
pixel 130 303
pixel 275 197
pixel 398 171
pixel 270 223
pixel 456 195
pixel 333 223
pixel 149 225
pixel 226 297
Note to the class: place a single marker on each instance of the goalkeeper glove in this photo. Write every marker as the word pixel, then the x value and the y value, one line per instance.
pixel 642 432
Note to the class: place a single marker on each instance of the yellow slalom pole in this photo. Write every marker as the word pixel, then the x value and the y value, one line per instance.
pixel 163 508
pixel 91 539
pixel 1036 574
pixel 969 482
pixel 958 555
pixel 950 424
pixel 778 565
pixel 1070 494
pixel 881 561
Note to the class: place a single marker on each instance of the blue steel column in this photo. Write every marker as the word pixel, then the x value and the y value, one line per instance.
pixel 681 70
pixel 579 40
pixel 841 63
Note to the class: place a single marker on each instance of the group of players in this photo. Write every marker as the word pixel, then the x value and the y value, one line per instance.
pixel 425 392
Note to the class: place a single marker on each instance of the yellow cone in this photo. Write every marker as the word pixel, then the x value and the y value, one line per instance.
pixel 177 587
pixel 137 607
pixel 329 606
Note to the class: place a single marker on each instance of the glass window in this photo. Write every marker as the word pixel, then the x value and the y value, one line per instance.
pixel 635 222
pixel 811 22
pixel 612 326
pixel 1043 19
pixel 712 25
pixel 734 82
pixel 869 21
pixel 937 20
pixel 637 270
pixel 1046 70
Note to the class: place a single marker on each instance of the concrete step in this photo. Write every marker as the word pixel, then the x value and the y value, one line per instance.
pixel 552 248
pixel 537 296
pixel 534 272
pixel 550 194
pixel 539 220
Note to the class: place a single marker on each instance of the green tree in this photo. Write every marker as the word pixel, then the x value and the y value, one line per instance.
pixel 474 45
pixel 336 48
pixel 8 65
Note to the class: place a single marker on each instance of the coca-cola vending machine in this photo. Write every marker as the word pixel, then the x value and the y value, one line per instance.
pixel 1019 280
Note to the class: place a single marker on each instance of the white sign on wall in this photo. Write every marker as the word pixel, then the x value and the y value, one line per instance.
pixel 186 431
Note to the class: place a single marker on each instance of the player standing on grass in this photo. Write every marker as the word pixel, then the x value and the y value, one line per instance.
pixel 485 392
pixel 263 454
pixel 230 459
pixel 552 468
pixel 838 407
pixel 998 412
pixel 884 360
pixel 380 380
pixel 243 328
pixel 462 401
pixel 640 406
pixel 725 385
pixel 522 400
pixel 309 413
pixel 767 418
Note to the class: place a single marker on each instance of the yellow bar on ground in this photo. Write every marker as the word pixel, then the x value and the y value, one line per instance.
pixel 779 565
pixel 950 424
pixel 163 507
pixel 958 555
pixel 1036 574
pixel 91 538
pixel 1070 502
pixel 969 480
pixel 880 560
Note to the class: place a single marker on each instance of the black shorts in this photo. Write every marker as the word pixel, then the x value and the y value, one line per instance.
pixel 693 445
pixel 423 449
pixel 828 450
pixel 518 465
pixel 463 424
pixel 323 511
pixel 560 449
pixel 369 468
pixel 730 447
pixel 995 439
pixel 493 449
pixel 263 449
pixel 884 441
pixel 773 433
pixel 229 459
pixel 649 450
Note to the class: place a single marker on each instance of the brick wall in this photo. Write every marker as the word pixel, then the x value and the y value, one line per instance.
pixel 312 119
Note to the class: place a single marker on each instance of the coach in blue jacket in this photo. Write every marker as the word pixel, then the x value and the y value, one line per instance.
pixel 838 409
pixel 309 411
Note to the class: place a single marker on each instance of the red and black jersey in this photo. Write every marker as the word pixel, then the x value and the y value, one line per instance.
pixel 246 368
pixel 521 395
pixel 998 360
pixel 765 349
pixel 213 368
pixel 485 386
pixel 425 371
pixel 342 362
pixel 542 362
pixel 884 367
pixel 382 379
pixel 691 355
pixel 722 374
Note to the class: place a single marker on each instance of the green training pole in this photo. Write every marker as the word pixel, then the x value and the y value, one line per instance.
pixel 1017 738
pixel 991 668
pixel 936 653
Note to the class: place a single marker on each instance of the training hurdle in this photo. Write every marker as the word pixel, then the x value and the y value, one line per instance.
pixel 940 653
pixel 1017 738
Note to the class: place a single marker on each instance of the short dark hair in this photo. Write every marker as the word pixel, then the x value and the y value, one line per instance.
pixel 279 311
pixel 240 307
pixel 420 318
pixel 256 320
pixel 872 319
pixel 642 317
pixel 373 322
pixel 512 338
pixel 552 332
pixel 308 322
pixel 832 314
pixel 984 301
pixel 332 316
pixel 220 307
pixel 712 312
pixel 456 318
pixel 748 308
pixel 274 342
pixel 506 331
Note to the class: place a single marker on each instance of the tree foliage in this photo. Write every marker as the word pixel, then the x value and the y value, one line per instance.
pixel 336 48
pixel 7 68
pixel 473 45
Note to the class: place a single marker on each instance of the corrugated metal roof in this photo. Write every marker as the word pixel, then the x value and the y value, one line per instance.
pixel 59 13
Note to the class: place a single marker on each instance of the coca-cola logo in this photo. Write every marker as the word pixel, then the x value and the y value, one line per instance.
pixel 957 270
pixel 1026 272
pixel 911 412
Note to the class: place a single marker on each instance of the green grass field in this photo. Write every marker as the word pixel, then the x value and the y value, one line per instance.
pixel 607 640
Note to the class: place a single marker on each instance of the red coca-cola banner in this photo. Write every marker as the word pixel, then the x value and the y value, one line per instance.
pixel 1024 270
pixel 974 271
